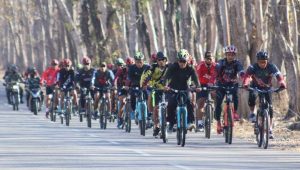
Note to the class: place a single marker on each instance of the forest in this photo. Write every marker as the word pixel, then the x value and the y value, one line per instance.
pixel 35 31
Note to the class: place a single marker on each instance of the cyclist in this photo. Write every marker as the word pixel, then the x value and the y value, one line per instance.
pixel 33 81
pixel 207 77
pixel 7 73
pixel 49 77
pixel 177 77
pixel 135 72
pixel 103 80
pixel 261 74
pixel 66 80
pixel 152 78
pixel 227 70
pixel 15 77
pixel 84 79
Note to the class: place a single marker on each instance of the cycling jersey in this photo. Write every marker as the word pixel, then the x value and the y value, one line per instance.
pixel 153 76
pixel 227 72
pixel 50 76
pixel 84 77
pixel 206 73
pixel 135 74
pixel 262 77
pixel 66 78
pixel 121 77
pixel 103 79
pixel 179 77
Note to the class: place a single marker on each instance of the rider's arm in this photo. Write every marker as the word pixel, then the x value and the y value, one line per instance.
pixel 240 69
pixel 195 77
pixel 275 71
pixel 248 74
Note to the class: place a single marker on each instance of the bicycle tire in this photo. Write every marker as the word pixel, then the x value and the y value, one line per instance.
pixel 184 128
pixel 257 131
pixel 208 118
pixel 266 129
pixel 178 135
pixel 163 125
pixel 68 113
pixel 143 121
pixel 51 110
pixel 230 125
pixel 105 115
pixel 88 115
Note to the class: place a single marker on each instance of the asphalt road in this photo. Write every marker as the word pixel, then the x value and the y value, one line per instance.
pixel 33 142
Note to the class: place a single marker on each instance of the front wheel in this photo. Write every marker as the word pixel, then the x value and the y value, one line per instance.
pixel 184 129
pixel 207 122
pixel 163 125
pixel 265 129
pixel 89 115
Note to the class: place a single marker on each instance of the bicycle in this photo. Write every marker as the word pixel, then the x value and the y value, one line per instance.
pixel 262 124
pixel 228 122
pixel 66 112
pixel 141 109
pixel 103 108
pixel 162 113
pixel 208 111
pixel 127 114
pixel 52 111
pixel 88 107
pixel 181 115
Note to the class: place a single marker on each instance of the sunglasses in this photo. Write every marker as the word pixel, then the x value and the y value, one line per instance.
pixel 182 61
pixel 103 66
pixel 208 59
pixel 68 65
pixel 160 59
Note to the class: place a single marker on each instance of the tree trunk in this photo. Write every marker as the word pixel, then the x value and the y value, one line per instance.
pixel 171 35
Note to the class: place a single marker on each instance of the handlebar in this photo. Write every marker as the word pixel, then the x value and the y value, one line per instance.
pixel 276 90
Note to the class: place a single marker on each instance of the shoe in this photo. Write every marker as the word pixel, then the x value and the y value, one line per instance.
pixel 219 127
pixel 95 115
pixel 47 115
pixel 271 135
pixel 156 131
pixel 252 118
pixel 170 128
pixel 191 126
pixel 120 123
pixel 236 116
pixel 200 127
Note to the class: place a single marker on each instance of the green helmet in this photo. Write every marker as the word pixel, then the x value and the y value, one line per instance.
pixel 139 56
pixel 183 55
pixel 79 66
pixel 120 61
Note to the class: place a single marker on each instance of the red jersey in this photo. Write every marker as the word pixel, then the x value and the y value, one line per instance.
pixel 206 74
pixel 50 75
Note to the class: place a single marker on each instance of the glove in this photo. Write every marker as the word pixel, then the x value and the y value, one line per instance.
pixel 282 85
pixel 246 86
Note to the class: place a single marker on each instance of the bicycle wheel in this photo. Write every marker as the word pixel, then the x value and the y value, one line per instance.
pixel 208 118
pixel 51 110
pixel 163 125
pixel 230 125
pixel 178 135
pixel 257 131
pixel 105 116
pixel 183 128
pixel 143 121
pixel 88 114
pixel 266 127
pixel 68 113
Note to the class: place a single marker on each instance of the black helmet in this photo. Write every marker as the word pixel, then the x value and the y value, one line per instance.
pixel 160 56
pixel 262 55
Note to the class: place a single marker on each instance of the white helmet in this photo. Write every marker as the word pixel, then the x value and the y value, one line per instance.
pixel 230 49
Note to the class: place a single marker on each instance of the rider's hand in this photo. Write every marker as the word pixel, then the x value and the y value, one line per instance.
pixel 167 88
pixel 198 90
pixel 282 85
pixel 92 87
pixel 246 86
pixel 126 87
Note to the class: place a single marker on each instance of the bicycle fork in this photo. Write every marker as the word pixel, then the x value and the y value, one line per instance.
pixel 181 111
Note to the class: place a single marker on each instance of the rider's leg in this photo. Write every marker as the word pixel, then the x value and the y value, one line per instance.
pixel 97 95
pixel 171 109
pixel 235 103
pixel 21 94
pixel 75 98
pixel 108 96
pixel 219 99
pixel 251 103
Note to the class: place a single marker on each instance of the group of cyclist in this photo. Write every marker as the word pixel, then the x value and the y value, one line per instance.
pixel 184 73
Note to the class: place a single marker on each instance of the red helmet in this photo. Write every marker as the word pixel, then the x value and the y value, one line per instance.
pixel 67 62
pixel 54 62
pixel 110 66
pixel 86 61
pixel 153 57
pixel 129 61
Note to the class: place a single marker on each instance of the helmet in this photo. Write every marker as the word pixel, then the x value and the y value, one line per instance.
pixel 208 54
pixel 67 62
pixel 153 57
pixel 14 68
pixel 54 62
pixel 139 56
pixel 120 62
pixel 79 66
pixel 129 61
pixel 110 66
pixel 183 55
pixel 61 63
pixel 86 61
pixel 32 70
pixel 262 55
pixel 230 49
pixel 160 56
